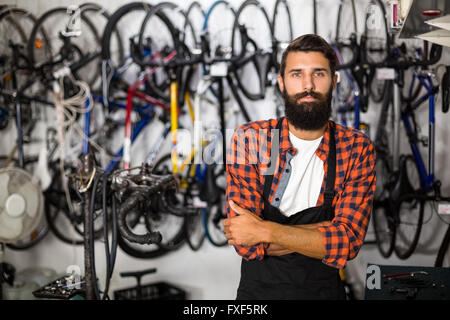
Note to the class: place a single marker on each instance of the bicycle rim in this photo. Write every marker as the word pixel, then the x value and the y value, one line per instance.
pixel 409 225
pixel 384 228
pixel 346 21
pixel 212 222
pixel 443 256
pixel 252 76
pixel 157 33
pixel 377 45
pixel 195 233
pixel 43 50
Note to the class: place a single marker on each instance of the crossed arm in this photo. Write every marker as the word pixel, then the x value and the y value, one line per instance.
pixel 248 229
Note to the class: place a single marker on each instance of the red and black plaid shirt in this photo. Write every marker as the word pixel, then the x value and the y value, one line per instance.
pixel 248 158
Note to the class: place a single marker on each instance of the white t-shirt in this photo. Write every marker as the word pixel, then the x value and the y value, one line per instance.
pixel 306 177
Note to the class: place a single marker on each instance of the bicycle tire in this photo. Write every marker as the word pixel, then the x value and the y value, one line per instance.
pixel 15 12
pixel 384 227
pixel 346 13
pixel 194 72
pixel 58 216
pixel 279 39
pixel 14 23
pixel 50 216
pixel 160 87
pixel 258 70
pixel 35 49
pixel 212 218
pixel 408 232
pixel 193 227
pixel 443 249
pixel 195 233
pixel 94 8
pixel 377 41
pixel 213 43
pixel 112 62
pixel 189 22
pixel 383 143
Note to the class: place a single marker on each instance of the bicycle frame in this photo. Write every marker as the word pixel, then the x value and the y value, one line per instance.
pixel 146 113
pixel 426 177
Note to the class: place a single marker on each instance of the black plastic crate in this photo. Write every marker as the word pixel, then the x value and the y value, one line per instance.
pixel 153 291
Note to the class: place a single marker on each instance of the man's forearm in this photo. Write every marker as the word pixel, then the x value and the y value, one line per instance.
pixel 304 239
pixel 275 249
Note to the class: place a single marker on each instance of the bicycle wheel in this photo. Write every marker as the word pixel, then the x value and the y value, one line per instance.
pixel 443 256
pixel 52 24
pixel 384 226
pixel 409 212
pixel 217 28
pixel 118 71
pixel 346 24
pixel 66 225
pixel 251 77
pixel 15 26
pixel 384 178
pixel 159 34
pixel 195 232
pixel 195 15
pixel 377 44
pixel 212 221
pixel 282 31
pixel 99 15
pixel 385 127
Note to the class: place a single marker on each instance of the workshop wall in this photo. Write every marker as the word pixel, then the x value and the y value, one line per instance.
pixel 211 272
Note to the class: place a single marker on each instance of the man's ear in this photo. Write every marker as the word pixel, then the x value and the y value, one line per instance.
pixel 335 79
pixel 280 82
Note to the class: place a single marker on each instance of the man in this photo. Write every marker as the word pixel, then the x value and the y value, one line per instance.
pixel 297 226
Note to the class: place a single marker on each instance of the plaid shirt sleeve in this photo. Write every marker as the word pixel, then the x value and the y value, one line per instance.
pixel 344 236
pixel 244 186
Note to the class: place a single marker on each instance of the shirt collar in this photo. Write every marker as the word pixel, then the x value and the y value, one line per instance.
pixel 286 145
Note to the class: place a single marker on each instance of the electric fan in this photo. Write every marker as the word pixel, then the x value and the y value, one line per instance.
pixel 21 204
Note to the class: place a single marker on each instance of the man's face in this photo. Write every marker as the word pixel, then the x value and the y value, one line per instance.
pixel 307 88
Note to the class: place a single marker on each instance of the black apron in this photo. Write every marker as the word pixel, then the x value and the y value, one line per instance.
pixel 294 276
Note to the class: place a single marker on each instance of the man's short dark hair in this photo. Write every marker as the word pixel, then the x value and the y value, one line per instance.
pixel 308 43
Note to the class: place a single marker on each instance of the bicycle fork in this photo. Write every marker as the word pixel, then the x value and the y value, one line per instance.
pixel 397 120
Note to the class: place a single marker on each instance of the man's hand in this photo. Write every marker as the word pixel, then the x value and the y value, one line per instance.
pixel 245 229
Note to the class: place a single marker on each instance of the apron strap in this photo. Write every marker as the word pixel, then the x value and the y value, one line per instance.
pixel 273 151
pixel 331 172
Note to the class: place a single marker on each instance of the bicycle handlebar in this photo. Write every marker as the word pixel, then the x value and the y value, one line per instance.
pixel 198 58
pixel 127 207
pixel 435 56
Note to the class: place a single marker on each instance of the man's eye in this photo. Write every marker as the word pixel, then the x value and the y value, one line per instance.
pixel 296 75
pixel 319 74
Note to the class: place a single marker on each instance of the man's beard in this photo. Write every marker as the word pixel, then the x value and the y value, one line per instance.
pixel 308 115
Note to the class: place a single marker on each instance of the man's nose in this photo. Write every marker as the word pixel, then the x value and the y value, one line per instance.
pixel 308 83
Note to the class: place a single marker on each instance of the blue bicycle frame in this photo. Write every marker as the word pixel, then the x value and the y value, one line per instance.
pixel 426 178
